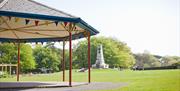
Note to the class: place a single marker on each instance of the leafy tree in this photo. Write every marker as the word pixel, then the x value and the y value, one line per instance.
pixel 8 54
pixel 146 60
pixel 116 53
pixel 26 58
pixel 46 58
pixel 170 60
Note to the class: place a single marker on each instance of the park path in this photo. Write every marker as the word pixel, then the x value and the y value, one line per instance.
pixel 92 86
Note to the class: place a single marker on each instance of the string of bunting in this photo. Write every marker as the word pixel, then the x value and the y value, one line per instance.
pixel 67 25
pixel 37 22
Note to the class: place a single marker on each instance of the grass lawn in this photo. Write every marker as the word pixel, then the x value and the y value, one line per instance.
pixel 151 80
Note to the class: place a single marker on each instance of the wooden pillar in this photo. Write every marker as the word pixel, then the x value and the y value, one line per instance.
pixel 18 65
pixel 63 62
pixel 2 68
pixel 89 59
pixel 70 59
pixel 10 69
pixel 6 68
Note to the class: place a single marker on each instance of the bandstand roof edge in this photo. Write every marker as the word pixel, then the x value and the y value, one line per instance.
pixel 30 21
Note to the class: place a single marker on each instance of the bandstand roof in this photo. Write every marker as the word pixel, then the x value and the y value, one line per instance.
pixel 30 21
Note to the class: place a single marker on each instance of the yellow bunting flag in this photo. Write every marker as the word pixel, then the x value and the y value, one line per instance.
pixel 46 23
pixel 16 19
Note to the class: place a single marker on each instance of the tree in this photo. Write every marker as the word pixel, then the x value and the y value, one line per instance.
pixel 116 53
pixel 146 60
pixel 170 60
pixel 26 58
pixel 8 54
pixel 46 58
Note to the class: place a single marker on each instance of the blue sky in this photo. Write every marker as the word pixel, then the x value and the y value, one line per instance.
pixel 151 25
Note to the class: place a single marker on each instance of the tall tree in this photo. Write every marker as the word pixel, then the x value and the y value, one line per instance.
pixel 116 53
pixel 8 54
pixel 146 60
pixel 26 58
pixel 46 58
pixel 170 60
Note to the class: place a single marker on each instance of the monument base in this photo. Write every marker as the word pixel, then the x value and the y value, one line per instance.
pixel 103 66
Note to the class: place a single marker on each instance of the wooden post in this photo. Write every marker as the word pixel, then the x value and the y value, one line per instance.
pixel 6 68
pixel 63 62
pixel 89 59
pixel 10 69
pixel 2 68
pixel 18 65
pixel 70 59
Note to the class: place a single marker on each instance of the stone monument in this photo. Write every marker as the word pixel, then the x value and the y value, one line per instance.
pixel 100 63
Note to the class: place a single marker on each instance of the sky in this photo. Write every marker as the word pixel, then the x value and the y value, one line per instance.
pixel 152 25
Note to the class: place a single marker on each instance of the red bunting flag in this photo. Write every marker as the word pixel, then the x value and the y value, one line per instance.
pixel 27 21
pixel 56 22
pixel 36 23
pixel 9 18
pixel 65 23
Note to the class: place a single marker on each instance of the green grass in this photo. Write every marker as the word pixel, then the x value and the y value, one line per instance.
pixel 151 80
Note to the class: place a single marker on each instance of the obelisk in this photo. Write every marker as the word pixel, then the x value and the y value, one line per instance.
pixel 100 63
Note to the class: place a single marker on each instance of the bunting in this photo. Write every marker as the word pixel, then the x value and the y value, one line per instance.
pixel 16 19
pixel 36 22
pixel 46 23
pixel 27 21
pixel 65 23
pixel 56 22
pixel 9 18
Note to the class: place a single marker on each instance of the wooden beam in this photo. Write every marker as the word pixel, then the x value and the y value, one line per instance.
pixel 70 59
pixel 89 59
pixel 63 61
pixel 18 64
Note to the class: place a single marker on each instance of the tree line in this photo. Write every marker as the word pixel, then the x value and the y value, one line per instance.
pixel 116 54
pixel 147 60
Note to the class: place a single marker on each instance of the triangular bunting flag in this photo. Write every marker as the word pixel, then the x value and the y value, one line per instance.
pixel 70 26
pixel 9 18
pixel 27 21
pixel 36 23
pixel 42 43
pixel 65 23
pixel 16 19
pixel 56 22
pixel 46 23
